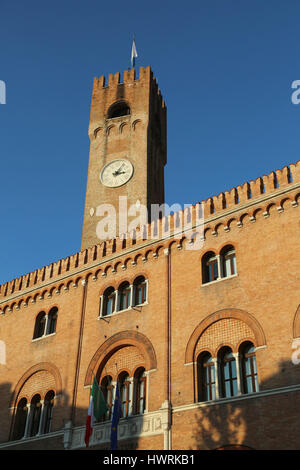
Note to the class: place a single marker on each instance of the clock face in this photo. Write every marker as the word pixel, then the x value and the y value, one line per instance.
pixel 116 173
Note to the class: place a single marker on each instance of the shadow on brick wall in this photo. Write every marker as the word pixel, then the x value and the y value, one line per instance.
pixel 268 421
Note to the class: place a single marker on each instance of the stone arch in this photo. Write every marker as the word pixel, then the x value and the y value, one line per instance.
pixel 115 342
pixel 43 366
pixel 220 315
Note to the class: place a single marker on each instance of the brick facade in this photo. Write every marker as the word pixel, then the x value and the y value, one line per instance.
pixel 181 318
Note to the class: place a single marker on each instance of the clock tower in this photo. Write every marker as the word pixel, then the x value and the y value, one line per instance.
pixel 128 152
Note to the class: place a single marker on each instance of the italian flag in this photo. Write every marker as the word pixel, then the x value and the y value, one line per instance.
pixel 97 408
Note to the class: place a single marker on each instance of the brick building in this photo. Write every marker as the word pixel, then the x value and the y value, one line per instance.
pixel 201 327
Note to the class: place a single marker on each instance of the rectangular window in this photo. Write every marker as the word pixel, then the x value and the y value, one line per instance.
pixel 230 264
pixel 230 379
pixel 110 308
pixel 251 382
pixel 212 270
pixel 125 299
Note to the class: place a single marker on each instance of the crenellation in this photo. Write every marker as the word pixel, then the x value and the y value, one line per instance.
pixel 48 271
pixel 171 223
pixel 129 76
pixel 230 197
pixel 65 265
pixel 55 269
pixel 28 278
pixel 81 257
pixel 243 192
pixel 269 182
pixel 256 187
pixel 226 200
pixel 219 202
pixel 208 205
pixel 118 244
pixel 295 171
pixel 283 177
pixel 17 285
pixel 145 73
pixel 22 284
pixel 40 275
pixel 99 82
pixel 110 80
pixel 91 254
pixel 10 287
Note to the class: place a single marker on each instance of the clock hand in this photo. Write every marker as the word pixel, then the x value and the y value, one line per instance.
pixel 118 172
pixel 120 168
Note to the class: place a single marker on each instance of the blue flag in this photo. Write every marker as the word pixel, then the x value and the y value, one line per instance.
pixel 117 413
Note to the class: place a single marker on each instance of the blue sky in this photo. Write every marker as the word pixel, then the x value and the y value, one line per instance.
pixel 225 68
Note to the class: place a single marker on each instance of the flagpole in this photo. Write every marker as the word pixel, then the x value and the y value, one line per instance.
pixel 116 415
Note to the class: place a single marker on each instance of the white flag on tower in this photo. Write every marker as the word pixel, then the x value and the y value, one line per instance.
pixel 133 54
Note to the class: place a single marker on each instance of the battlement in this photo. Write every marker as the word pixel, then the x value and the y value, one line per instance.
pixel 253 189
pixel 264 187
pixel 130 77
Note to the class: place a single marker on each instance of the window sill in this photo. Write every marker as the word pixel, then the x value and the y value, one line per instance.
pixel 226 399
pixel 135 307
pixel 27 439
pixel 220 279
pixel 43 337
pixel 238 398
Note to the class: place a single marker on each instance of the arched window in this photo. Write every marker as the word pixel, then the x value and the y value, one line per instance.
pixel 139 391
pixel 107 390
pixel 118 109
pixel 48 411
pixel 249 368
pixel 229 385
pixel 39 328
pixel 124 296
pixel 109 301
pixel 228 261
pixel 206 377
pixel 125 393
pixel 210 270
pixel 20 419
pixel 51 321
pixel 35 415
pixel 140 290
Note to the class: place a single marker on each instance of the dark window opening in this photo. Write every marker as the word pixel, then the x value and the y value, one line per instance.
pixel 52 319
pixel 125 386
pixel 118 109
pixel 40 323
pixel 228 373
pixel 48 412
pixel 140 391
pixel 124 292
pixel 206 377
pixel 109 299
pixel 249 368
pixel 140 285
pixel 20 420
pixel 210 271
pixel 35 415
